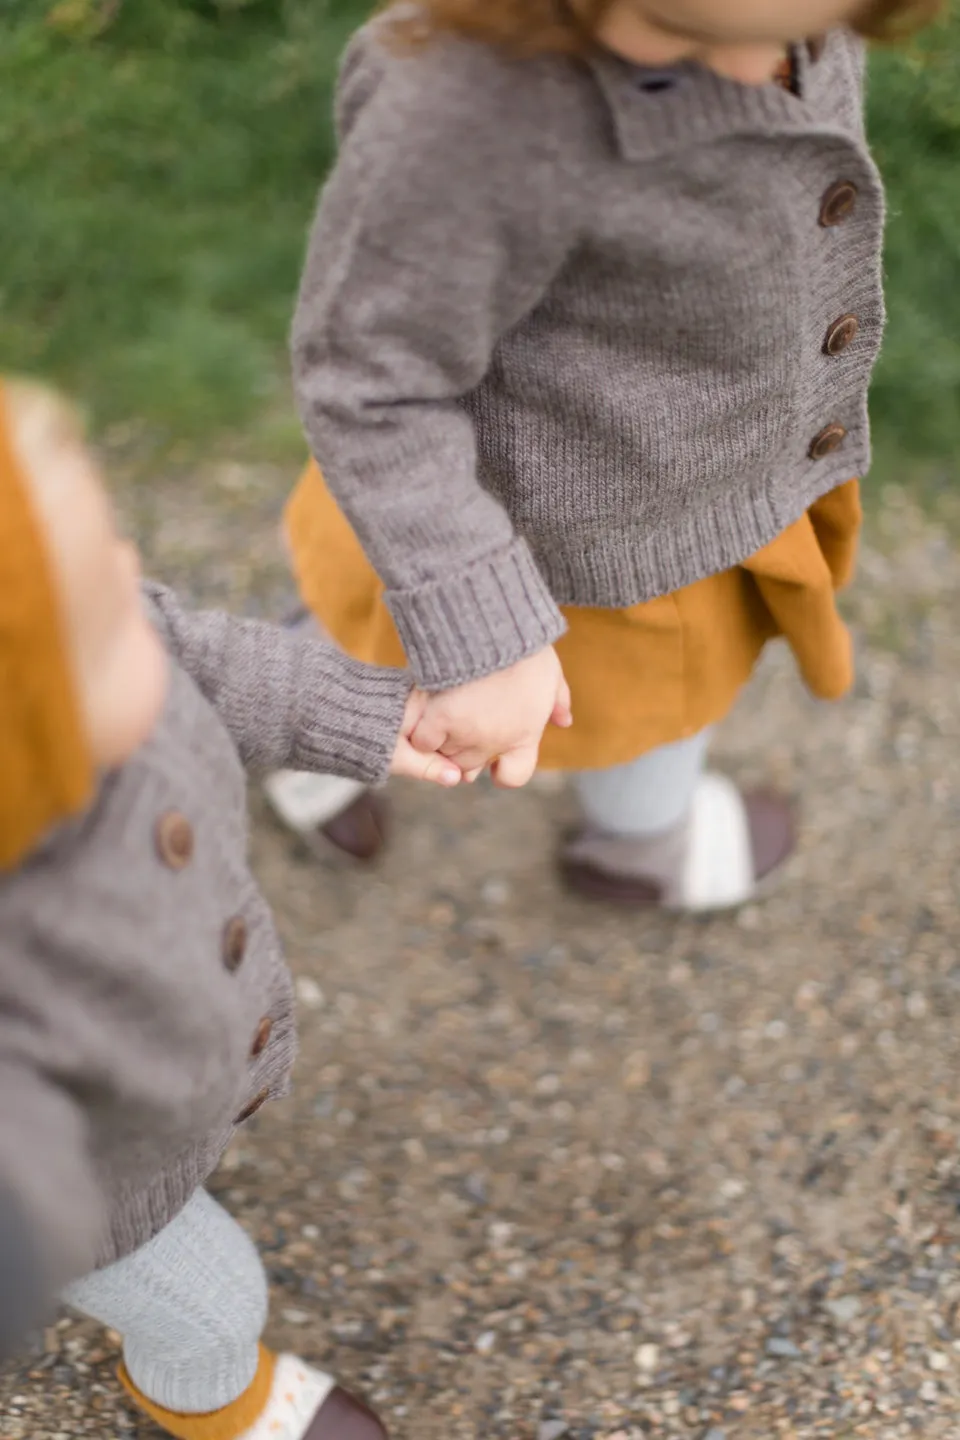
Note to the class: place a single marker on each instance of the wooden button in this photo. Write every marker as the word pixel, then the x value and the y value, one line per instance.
pixel 234 943
pixel 838 203
pixel 256 1104
pixel 841 334
pixel 829 439
pixel 173 835
pixel 264 1030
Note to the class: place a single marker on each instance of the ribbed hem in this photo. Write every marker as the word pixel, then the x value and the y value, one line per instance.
pixel 471 625
pixel 140 1212
pixel 354 727
pixel 644 565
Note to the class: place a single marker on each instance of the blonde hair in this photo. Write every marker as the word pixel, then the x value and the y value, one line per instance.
pixel 531 27
pixel 42 427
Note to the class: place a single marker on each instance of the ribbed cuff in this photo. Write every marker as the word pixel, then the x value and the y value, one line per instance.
pixel 471 625
pixel 351 716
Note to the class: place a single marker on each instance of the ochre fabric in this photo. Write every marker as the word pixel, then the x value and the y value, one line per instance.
pixel 643 676
pixel 46 774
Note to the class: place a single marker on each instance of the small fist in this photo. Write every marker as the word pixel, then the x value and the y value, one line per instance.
pixel 415 764
pixel 498 721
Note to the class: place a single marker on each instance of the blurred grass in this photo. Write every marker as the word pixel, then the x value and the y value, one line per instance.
pixel 161 159
pixel 157 180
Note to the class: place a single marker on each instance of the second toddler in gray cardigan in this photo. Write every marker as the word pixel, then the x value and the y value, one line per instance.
pixel 145 1008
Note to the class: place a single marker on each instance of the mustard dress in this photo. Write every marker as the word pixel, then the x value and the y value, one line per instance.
pixel 643 676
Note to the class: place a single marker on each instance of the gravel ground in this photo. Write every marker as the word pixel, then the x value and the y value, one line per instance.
pixel 553 1170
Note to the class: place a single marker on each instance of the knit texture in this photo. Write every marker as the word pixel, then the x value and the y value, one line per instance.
pixel 141 962
pixel 45 768
pixel 191 1306
pixel 561 330
pixel 233 1422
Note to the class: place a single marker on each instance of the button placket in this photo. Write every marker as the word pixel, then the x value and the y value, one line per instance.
pixel 233 944
pixel 830 438
pixel 262 1037
pixel 838 203
pixel 841 334
pixel 254 1105
pixel 174 839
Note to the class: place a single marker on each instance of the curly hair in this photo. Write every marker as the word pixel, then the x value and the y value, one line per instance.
pixel 531 27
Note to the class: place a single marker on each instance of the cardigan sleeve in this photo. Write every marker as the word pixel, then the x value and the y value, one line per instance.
pixel 443 225
pixel 287 698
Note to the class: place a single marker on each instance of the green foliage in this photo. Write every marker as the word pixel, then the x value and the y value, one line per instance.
pixel 914 118
pixel 160 162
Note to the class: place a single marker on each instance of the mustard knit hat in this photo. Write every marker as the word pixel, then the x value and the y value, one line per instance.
pixel 46 772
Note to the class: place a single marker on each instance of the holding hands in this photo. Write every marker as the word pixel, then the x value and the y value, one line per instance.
pixel 497 721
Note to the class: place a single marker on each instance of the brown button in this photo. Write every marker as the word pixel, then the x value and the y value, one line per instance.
pixel 255 1104
pixel 827 441
pixel 234 944
pixel 841 334
pixel 173 835
pixel 261 1037
pixel 838 203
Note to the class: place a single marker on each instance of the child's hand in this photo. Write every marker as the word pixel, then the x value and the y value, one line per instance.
pixel 498 721
pixel 415 764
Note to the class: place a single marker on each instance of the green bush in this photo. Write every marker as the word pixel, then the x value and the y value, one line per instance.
pixel 914 120
pixel 157 181
pixel 160 163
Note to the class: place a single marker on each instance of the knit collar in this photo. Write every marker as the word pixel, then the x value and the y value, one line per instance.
pixel 655 112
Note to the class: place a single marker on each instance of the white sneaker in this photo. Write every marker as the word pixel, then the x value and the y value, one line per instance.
pixel 306 802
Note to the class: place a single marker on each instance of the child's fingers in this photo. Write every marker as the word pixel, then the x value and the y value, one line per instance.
pixel 429 734
pixel 515 769
pixel 435 769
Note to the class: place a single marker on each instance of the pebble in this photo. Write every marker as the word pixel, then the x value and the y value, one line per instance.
pixel 309 993
pixel 647 1358
pixel 552 1429
pixel 844 1310
pixel 484 1343
pixel 782 1349
pixel 296 1317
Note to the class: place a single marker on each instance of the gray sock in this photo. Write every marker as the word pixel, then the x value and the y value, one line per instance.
pixel 650 796
pixel 191 1306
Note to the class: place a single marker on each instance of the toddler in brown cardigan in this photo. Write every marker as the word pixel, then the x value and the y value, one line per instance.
pixel 582 351
pixel 145 1008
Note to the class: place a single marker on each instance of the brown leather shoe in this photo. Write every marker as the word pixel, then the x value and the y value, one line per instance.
pixel 329 810
pixel 341 1417
pixel 773 831
pixel 361 830
pixel 715 860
